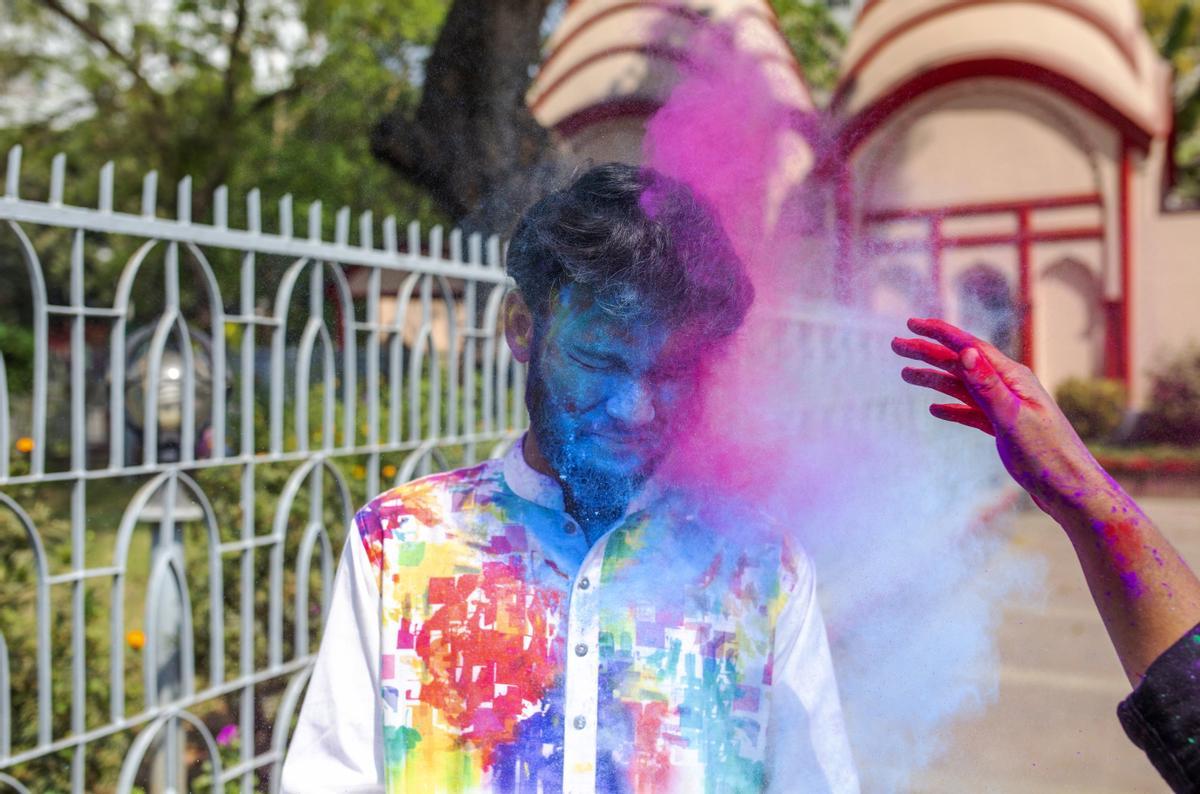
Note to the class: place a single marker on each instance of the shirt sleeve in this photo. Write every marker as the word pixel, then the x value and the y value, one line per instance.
pixel 1162 715
pixel 338 742
pixel 808 749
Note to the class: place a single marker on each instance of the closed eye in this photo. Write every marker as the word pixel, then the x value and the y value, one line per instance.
pixel 592 365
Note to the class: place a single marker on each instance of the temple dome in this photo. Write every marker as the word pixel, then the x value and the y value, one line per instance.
pixel 614 58
pixel 1098 46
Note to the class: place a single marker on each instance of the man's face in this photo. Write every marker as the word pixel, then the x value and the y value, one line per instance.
pixel 607 397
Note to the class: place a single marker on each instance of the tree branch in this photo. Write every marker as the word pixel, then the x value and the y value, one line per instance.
pixel 94 34
pixel 236 56
pixel 265 101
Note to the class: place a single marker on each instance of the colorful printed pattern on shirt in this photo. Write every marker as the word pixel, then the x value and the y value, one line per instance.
pixel 474 597
pixel 686 636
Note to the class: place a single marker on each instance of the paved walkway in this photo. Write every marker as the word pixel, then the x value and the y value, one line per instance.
pixel 1054 729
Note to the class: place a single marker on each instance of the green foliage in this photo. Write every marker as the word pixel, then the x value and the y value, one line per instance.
pixel 1174 26
pixel 273 94
pixel 1173 416
pixel 816 40
pixel 49 508
pixel 16 346
pixel 1094 406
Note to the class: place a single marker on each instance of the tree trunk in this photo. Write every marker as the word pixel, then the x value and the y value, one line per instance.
pixel 473 143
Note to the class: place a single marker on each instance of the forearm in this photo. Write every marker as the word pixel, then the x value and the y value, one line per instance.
pixel 1146 595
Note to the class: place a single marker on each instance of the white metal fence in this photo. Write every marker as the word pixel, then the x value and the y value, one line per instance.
pixel 183 443
pixel 208 446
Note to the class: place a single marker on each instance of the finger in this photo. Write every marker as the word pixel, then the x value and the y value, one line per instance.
pixel 990 391
pixel 949 335
pixel 963 415
pixel 924 350
pixel 938 381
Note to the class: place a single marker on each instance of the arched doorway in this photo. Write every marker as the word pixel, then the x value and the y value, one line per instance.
pixel 1070 309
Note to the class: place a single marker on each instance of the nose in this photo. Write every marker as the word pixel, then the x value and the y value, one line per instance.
pixel 632 405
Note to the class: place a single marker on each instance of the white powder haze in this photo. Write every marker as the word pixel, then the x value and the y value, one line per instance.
pixel 808 418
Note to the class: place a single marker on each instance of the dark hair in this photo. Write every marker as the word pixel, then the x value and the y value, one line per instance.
pixel 640 243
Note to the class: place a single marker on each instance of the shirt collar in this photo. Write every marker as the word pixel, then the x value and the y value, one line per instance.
pixel 528 483
pixel 533 486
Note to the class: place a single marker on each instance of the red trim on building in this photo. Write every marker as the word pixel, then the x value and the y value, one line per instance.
pixel 1029 236
pixel 1025 287
pixel 843 206
pixel 652 49
pixel 1112 339
pixel 659 51
pixel 862 125
pixel 683 12
pixel 987 207
pixel 867 8
pixel 1024 238
pixel 943 242
pixel 937 243
pixel 623 107
pixel 1125 221
pixel 1083 12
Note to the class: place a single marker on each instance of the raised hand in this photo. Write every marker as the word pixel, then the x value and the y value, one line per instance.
pixel 1002 397
pixel 1146 594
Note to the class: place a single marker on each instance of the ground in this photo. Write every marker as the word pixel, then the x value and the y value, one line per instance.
pixel 1054 729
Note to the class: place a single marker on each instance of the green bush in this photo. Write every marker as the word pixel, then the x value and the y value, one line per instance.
pixel 1173 415
pixel 1095 406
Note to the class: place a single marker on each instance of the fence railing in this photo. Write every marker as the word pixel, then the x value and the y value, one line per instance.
pixel 189 414
pixel 182 446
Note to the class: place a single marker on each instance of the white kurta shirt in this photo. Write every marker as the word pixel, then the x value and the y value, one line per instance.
pixel 475 642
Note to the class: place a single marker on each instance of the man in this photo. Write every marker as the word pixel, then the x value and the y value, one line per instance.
pixel 559 620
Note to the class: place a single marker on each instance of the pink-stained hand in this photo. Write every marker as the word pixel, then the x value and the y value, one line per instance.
pixel 1146 594
pixel 1002 397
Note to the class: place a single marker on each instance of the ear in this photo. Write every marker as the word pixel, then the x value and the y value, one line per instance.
pixel 518 326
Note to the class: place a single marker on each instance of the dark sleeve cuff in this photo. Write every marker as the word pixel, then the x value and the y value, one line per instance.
pixel 1162 715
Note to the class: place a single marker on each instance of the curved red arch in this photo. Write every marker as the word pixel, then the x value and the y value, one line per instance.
pixel 866 121
pixel 673 7
pixel 1120 41
pixel 657 51
pixel 617 108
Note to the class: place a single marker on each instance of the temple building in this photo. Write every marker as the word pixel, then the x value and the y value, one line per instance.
pixel 1002 163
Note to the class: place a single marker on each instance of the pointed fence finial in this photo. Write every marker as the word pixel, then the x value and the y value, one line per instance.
pixel 183 199
pixel 314 221
pixel 285 215
pixel 435 242
pixel 106 187
pixel 414 238
pixel 493 251
pixel 58 175
pixel 221 207
pixel 389 234
pixel 149 194
pixel 366 230
pixel 254 211
pixel 341 227
pixel 475 248
pixel 12 177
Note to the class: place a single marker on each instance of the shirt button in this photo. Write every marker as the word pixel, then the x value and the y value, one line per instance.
pixel 584 583
pixel 580 722
pixel 569 528
pixel 581 650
